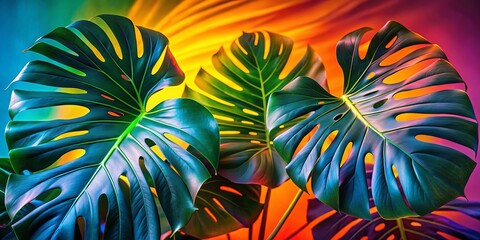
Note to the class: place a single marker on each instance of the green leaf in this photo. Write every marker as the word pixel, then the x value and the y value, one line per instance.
pixel 444 223
pixel 224 207
pixel 421 127
pixel 236 92
pixel 112 169
pixel 6 231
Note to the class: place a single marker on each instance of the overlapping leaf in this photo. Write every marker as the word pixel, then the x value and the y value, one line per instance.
pixel 224 207
pixel 420 130
pixel 114 166
pixel 237 92
pixel 437 225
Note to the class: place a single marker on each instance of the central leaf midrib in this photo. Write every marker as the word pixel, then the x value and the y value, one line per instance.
pixel 360 116
pixel 101 165
pixel 264 103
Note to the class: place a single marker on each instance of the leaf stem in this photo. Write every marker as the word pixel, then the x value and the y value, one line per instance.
pixel 401 228
pixel 286 214
pixel 263 224
pixel 250 232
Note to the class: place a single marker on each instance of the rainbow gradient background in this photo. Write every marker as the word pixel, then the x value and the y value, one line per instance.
pixel 197 29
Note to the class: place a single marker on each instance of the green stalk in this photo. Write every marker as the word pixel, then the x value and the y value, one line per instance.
pixel 401 228
pixel 285 215
pixel 261 235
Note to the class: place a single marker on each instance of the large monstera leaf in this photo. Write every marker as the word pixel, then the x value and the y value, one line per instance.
pixel 224 206
pixel 115 168
pixel 237 90
pixel 448 222
pixel 419 129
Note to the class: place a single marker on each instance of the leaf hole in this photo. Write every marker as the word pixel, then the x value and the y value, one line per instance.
pixel 111 36
pixel 210 214
pixel 159 62
pixel 446 143
pixel 364 238
pixel 338 117
pixel 280 51
pixel 61 112
pixel 107 97
pixel 146 174
pixel 328 141
pixel 402 53
pixel 67 157
pixel 155 149
pixel 380 103
pixel 370 75
pixel 379 227
pixel 370 93
pixel 176 140
pixel 139 40
pixel 124 184
pixel 306 138
pixel 219 204
pixel 70 134
pixel 255 142
pixel 49 195
pixel 389 44
pixel 115 114
pixel 235 60
pixel 229 132
pixel 250 112
pixel 230 190
pixel 85 40
pixel 223 118
pixel 71 90
pixel 415 224
pixel 59 46
pixel 267 44
pixel 422 91
pixel 124 77
pixel 237 42
pixel 80 227
pixel 369 159
pixel 407 72
pixel 346 153
pixel 391 237
pixel 247 122
pixel 222 78
pixel 102 214
pixel 253 133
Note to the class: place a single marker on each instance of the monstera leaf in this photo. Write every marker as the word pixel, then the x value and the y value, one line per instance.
pixel 223 207
pixel 404 108
pixel 440 224
pixel 5 170
pixel 112 168
pixel 237 90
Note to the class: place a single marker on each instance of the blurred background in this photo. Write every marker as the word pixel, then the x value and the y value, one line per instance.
pixel 197 29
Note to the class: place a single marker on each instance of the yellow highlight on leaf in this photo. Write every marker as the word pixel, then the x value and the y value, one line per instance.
pixel 111 36
pixel 176 140
pixel 228 119
pixel 138 37
pixel 159 62
pixel 248 111
pixel 70 134
pixel 68 157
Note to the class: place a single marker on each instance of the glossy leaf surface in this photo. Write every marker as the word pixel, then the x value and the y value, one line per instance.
pixel 404 108
pixel 102 163
pixel 441 224
pixel 238 88
pixel 223 207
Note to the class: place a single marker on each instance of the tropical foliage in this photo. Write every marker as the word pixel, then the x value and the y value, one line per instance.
pixel 93 154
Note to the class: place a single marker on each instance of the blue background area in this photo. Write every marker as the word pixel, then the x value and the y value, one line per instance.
pixel 22 22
